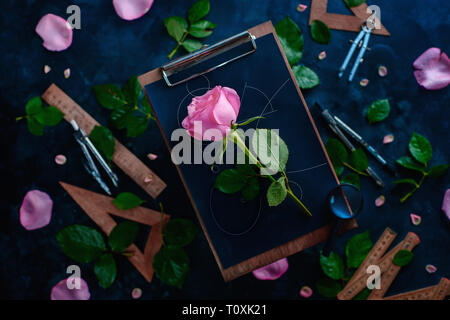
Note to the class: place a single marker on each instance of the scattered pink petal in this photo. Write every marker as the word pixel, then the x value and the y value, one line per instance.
pixel 382 71
pixel 36 210
pixel 430 268
pixel 272 271
pixel 55 31
pixel 306 292
pixel 152 156
pixel 132 9
pixel 60 159
pixel 301 7
pixel 136 293
pixel 67 73
pixel 446 203
pixel 61 291
pixel 148 179
pixel 47 69
pixel 432 69
pixel 364 82
pixel 388 138
pixel 322 55
pixel 380 201
pixel 415 219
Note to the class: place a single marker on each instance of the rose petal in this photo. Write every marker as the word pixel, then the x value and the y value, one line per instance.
pixel 36 210
pixel 430 268
pixel 306 292
pixel 433 69
pixel 136 293
pixel 380 201
pixel 67 73
pixel 148 179
pixel 60 159
pixel 322 55
pixel 364 82
pixel 47 69
pixel 388 138
pixel 446 203
pixel 382 71
pixel 272 271
pixel 415 219
pixel 152 156
pixel 301 7
pixel 55 31
pixel 132 9
pixel 61 291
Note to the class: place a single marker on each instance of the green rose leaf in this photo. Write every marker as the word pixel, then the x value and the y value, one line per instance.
pixel 320 32
pixel 358 160
pixel 357 249
pixel 230 181
pixel 409 163
pixel 171 265
pixel 180 232
pixel 328 288
pixel 306 78
pixel 33 106
pixel 203 24
pixel 199 32
pixel 127 200
pixel 109 96
pixel 354 3
pixel 332 266
pixel 105 270
pixel 438 170
pixel 251 189
pixel 103 140
pixel 270 149
pixel 123 235
pixel 351 178
pixel 49 116
pixel 191 45
pixel 198 10
pixel 403 258
pixel 132 90
pixel 35 127
pixel 406 181
pixel 136 125
pixel 420 148
pixel 291 39
pixel 176 27
pixel 146 105
pixel 81 243
pixel 337 153
pixel 378 111
pixel 277 192
pixel 119 117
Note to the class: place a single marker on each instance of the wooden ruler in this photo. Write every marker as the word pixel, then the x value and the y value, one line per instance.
pixel 123 158
pixel 437 292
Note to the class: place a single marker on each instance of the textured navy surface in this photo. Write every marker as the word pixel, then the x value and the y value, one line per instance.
pixel 108 49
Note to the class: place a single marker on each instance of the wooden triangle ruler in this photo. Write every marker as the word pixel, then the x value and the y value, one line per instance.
pixel 123 158
pixel 342 21
pixel 389 271
pixel 99 207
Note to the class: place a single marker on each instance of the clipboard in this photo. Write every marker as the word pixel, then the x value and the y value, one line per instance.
pixel 255 65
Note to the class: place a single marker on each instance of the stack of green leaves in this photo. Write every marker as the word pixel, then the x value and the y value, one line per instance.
pixel 38 116
pixel 181 30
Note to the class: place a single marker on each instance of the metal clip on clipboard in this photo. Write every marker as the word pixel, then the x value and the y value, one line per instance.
pixel 204 54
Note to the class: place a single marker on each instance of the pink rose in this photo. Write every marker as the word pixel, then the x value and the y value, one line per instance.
pixel 216 109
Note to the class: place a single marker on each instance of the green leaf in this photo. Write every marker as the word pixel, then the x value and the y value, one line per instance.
pixel 33 106
pixel 332 266
pixel 191 45
pixel 146 105
pixel 198 10
pixel 34 126
pixel 132 90
pixel 171 265
pixel 105 270
pixel 136 125
pixel 103 140
pixel 123 235
pixel 320 32
pixel 176 27
pixel 351 178
pixel 251 189
pixel 403 258
pixel 291 39
pixel 358 160
pixel 354 3
pixel 438 170
pixel 357 249
pixel 378 111
pixel 409 163
pixel 230 181
pixel 406 181
pixel 109 96
pixel 199 33
pixel 276 192
pixel 81 243
pixel 127 200
pixel 204 24
pixel 119 117
pixel 420 148
pixel 337 153
pixel 328 288
pixel 306 78
pixel 265 143
pixel 49 116
pixel 363 295
pixel 180 232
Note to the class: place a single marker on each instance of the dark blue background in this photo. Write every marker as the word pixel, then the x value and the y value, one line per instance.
pixel 108 49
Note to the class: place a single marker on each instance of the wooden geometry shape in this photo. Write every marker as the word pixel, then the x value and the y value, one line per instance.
pixel 342 21
pixel 100 208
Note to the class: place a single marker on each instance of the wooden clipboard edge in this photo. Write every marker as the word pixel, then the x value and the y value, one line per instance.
pixel 284 250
